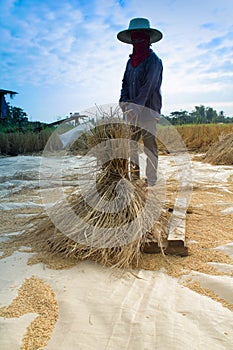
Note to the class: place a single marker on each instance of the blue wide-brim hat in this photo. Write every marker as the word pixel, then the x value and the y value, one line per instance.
pixel 137 24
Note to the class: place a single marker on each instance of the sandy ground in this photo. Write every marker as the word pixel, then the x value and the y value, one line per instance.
pixel 174 303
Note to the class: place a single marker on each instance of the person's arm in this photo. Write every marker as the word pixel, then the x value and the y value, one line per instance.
pixel 151 82
pixel 124 90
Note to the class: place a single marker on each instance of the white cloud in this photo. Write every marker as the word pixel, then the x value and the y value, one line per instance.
pixel 63 48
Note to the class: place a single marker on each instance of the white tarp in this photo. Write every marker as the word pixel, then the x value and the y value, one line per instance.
pixel 103 309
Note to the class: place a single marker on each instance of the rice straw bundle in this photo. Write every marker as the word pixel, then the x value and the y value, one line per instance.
pixel 107 217
pixel 221 152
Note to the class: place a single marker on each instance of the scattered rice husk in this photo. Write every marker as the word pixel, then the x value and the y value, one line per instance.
pixel 206 228
pixel 198 288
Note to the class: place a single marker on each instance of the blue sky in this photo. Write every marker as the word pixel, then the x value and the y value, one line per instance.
pixel 63 56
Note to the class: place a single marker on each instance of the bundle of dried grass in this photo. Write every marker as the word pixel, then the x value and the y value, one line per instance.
pixel 221 152
pixel 107 217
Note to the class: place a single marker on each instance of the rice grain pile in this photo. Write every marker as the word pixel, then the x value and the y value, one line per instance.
pixel 34 296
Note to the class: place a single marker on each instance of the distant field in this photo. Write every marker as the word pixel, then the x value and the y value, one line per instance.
pixel 197 138
pixel 23 143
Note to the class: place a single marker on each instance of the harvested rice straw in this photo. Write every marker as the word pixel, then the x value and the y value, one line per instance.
pixel 107 217
pixel 221 152
pixel 114 250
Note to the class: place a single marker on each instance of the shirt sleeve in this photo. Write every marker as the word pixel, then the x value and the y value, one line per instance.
pixel 152 81
pixel 124 90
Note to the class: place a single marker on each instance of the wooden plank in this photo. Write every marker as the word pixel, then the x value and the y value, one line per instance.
pixel 177 228
pixel 152 247
pixel 175 242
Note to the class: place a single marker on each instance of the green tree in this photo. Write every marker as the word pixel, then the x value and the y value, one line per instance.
pixel 180 117
pixel 199 114
pixel 211 115
pixel 16 118
pixel 202 115
pixel 19 117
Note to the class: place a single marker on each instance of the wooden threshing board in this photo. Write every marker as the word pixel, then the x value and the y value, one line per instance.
pixel 175 242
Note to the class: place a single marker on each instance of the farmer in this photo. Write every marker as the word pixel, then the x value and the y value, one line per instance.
pixel 140 98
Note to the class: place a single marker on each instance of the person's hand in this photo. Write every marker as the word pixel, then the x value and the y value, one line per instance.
pixel 123 106
pixel 157 116
pixel 131 112
pixel 131 117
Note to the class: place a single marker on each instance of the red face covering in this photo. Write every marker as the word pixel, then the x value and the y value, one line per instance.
pixel 141 47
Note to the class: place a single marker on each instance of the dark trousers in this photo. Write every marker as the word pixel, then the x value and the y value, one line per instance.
pixel 148 134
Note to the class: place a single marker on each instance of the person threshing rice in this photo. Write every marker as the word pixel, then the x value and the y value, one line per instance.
pixel 140 97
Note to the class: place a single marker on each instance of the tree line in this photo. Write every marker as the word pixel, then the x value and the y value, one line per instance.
pixel 200 115
pixel 17 120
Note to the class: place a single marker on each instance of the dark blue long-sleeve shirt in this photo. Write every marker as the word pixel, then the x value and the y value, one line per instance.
pixel 141 85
